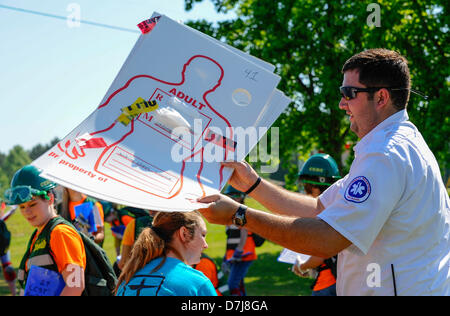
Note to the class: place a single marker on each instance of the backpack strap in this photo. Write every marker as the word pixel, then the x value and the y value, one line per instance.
pixel 21 271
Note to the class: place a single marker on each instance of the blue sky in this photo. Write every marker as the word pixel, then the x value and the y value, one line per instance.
pixel 53 76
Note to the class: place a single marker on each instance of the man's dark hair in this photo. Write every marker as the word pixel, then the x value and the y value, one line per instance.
pixel 383 68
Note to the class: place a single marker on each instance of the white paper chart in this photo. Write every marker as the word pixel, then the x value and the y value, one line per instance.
pixel 170 117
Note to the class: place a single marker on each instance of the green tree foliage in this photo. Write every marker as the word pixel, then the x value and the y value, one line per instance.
pixel 16 158
pixel 3 183
pixel 309 41
pixel 39 149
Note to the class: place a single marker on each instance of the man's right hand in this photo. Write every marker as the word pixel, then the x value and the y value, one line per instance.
pixel 243 177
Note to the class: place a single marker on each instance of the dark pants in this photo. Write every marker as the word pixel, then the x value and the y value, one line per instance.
pixel 238 270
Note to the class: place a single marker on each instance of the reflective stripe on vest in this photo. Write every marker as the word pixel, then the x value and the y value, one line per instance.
pixel 40 261
pixel 233 241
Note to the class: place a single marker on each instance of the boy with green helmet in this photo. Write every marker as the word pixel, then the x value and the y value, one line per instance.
pixel 317 174
pixel 55 244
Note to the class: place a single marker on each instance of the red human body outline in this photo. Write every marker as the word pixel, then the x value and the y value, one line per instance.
pixel 198 152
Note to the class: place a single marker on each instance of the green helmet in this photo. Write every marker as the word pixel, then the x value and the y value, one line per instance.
pixel 25 183
pixel 320 169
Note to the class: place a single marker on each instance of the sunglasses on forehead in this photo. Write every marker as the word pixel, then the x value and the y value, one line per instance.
pixel 350 92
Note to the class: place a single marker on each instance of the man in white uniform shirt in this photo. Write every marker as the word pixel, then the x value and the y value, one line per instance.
pixel 388 219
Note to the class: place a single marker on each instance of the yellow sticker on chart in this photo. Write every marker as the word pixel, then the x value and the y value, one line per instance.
pixel 138 107
pixel 124 119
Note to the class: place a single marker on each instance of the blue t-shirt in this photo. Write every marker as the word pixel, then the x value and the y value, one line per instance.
pixel 174 278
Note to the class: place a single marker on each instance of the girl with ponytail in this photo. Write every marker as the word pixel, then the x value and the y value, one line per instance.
pixel 161 258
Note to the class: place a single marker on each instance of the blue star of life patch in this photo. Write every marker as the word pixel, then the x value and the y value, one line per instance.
pixel 358 190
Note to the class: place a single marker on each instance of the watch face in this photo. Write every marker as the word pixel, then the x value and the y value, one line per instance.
pixel 238 221
pixel 239 217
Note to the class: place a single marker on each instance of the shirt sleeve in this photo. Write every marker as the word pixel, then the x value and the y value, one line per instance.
pixel 67 247
pixel 329 195
pixel 359 206
pixel 127 219
pixel 128 235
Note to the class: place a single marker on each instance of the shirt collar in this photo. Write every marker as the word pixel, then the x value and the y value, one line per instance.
pixel 398 117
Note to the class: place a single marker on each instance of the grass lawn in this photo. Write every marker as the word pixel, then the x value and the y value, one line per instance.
pixel 266 276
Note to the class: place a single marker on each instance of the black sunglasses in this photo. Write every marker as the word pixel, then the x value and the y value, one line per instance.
pixel 350 92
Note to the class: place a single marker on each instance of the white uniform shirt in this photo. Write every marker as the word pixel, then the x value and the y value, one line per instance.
pixel 394 208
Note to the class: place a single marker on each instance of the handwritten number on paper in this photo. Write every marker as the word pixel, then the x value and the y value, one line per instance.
pixel 250 74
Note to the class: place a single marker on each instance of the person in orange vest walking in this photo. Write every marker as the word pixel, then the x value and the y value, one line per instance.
pixel 240 252
pixel 317 174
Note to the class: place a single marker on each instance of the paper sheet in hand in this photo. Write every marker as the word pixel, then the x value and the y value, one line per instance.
pixel 166 157
pixel 289 256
